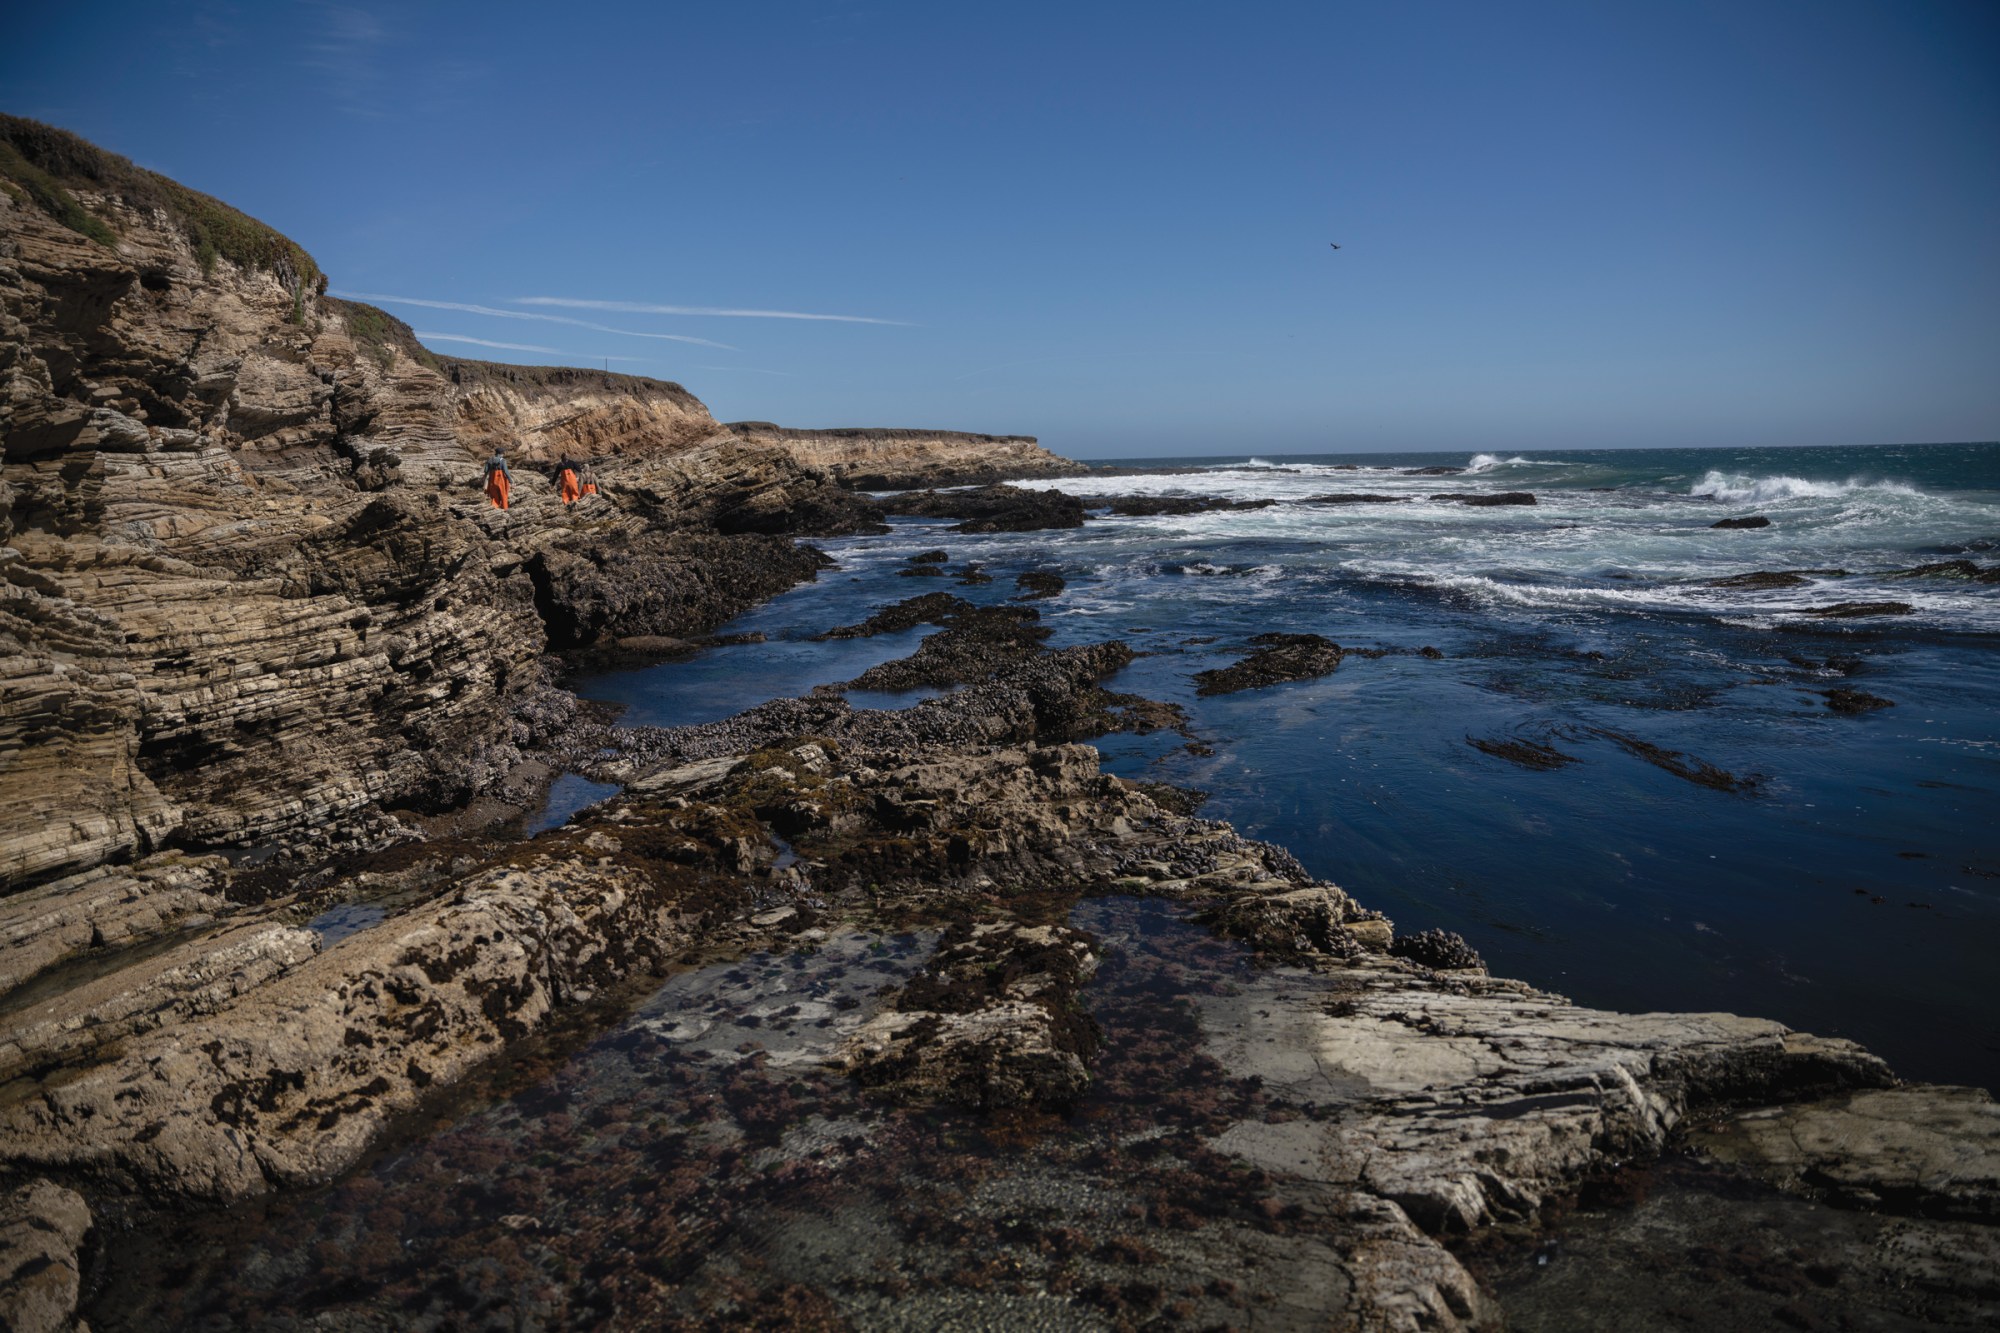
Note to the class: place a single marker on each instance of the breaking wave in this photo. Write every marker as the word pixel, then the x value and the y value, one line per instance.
pixel 1738 488
pixel 1487 462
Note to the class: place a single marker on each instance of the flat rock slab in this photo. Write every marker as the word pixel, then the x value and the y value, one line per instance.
pixel 1469 1100
pixel 1706 1249
pixel 1928 1150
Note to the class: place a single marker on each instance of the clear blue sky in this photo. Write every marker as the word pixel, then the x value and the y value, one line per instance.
pixel 1563 224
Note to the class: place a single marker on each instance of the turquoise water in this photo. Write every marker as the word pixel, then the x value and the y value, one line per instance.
pixel 1850 887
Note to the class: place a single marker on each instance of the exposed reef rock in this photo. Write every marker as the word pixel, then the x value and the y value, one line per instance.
pixel 1281 657
pixel 1353 498
pixel 1860 610
pixel 993 508
pixel 992 1022
pixel 1497 498
pixel 1753 521
pixel 1038 583
pixel 1148 506
pixel 1952 569
pixel 1776 578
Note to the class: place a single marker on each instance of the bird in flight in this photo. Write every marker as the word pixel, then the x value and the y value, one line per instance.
pixel 1334 244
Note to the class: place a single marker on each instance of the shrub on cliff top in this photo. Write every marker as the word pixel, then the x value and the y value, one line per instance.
pixel 48 163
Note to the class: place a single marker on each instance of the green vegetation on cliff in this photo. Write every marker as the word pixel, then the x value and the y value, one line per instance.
pixel 50 164
pixel 380 334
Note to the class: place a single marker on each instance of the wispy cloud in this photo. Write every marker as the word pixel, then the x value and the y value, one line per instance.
pixel 642 308
pixel 748 370
pixel 471 309
pixel 345 47
pixel 488 342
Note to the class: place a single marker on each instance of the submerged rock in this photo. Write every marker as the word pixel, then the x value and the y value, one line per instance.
pixel 1684 766
pixel 1855 701
pixel 1858 610
pixel 1528 754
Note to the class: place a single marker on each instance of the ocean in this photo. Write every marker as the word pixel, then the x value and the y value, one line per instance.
pixel 1703 830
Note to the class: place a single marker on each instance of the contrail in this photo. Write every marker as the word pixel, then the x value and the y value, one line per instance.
pixel 641 308
pixel 487 342
pixel 523 314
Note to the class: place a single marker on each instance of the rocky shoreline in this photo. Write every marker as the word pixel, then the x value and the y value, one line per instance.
pixel 279 685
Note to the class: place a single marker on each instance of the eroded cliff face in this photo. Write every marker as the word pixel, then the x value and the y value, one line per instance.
pixel 251 587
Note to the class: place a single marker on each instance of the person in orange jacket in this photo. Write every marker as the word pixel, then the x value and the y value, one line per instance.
pixel 566 483
pixel 498 481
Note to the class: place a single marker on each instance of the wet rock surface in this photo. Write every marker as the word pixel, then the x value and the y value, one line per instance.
pixel 1776 578
pixel 1279 658
pixel 1036 583
pixel 1354 498
pixel 1528 754
pixel 1496 498
pixel 1969 570
pixel 1149 506
pixel 1689 1244
pixel 992 508
pixel 1750 521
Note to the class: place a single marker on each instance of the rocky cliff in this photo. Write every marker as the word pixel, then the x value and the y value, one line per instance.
pixel 251 584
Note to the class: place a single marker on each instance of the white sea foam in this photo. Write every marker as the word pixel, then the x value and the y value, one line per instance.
pixel 1738 488
pixel 1487 462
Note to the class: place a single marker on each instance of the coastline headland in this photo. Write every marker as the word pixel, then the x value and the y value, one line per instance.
pixel 279 685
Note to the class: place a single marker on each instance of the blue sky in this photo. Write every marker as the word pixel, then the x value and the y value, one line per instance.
pixel 1563 224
